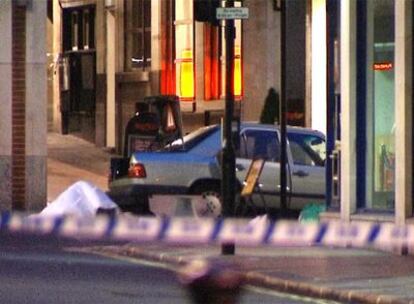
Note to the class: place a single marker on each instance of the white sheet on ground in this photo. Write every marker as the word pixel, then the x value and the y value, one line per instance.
pixel 82 199
pixel 259 220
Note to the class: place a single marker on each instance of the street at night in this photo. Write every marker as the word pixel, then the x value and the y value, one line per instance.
pixel 49 275
pixel 152 151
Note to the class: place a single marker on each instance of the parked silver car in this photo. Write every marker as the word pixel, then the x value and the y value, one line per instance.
pixel 192 166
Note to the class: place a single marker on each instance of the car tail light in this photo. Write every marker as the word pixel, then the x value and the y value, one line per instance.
pixel 137 170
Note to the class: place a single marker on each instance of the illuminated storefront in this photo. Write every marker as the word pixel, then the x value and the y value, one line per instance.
pixel 376 111
pixel 212 51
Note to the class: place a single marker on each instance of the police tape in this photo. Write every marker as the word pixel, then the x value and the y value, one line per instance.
pixel 208 230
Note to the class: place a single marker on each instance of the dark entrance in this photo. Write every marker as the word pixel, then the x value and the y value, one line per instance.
pixel 78 87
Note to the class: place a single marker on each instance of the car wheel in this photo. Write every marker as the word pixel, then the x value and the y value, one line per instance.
pixel 211 206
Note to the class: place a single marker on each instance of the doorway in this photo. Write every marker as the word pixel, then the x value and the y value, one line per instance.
pixel 78 89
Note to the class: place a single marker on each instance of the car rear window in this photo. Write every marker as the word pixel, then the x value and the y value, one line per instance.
pixel 192 139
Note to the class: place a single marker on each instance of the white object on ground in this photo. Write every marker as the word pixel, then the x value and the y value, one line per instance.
pixel 82 199
pixel 259 220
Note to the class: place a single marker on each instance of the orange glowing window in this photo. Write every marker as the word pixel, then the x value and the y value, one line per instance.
pixel 186 75
pixel 211 62
pixel 184 44
pixel 237 73
pixel 167 72
pixel 237 62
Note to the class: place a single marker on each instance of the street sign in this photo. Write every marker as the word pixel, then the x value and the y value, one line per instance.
pixel 232 13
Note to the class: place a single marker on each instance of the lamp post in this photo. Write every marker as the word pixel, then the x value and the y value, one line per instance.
pixel 228 181
pixel 283 154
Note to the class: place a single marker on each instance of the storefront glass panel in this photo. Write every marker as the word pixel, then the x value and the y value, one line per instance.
pixel 379 111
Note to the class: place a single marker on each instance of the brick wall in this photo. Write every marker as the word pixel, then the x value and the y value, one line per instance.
pixel 18 106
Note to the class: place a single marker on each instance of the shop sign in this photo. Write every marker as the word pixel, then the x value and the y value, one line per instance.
pixel 383 66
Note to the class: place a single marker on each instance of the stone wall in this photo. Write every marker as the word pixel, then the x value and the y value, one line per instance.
pixel 36 106
pixel 261 64
pixel 5 104
pixel 23 118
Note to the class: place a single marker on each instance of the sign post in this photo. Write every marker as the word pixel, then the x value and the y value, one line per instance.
pixel 283 134
pixel 228 182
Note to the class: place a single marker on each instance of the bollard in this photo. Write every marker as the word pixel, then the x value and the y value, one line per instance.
pixel 211 282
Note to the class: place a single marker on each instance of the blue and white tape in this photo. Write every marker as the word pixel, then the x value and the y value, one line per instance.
pixel 207 230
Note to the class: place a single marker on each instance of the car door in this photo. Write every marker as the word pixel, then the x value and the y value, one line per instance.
pixel 258 143
pixel 307 167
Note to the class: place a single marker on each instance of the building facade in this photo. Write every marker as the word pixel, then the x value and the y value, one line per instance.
pixel 355 76
pixel 349 74
pixel 107 55
pixel 23 104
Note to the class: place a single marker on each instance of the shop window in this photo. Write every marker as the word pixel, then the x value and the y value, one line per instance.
pixel 213 56
pixel 215 63
pixel 167 75
pixel 376 106
pixel 238 62
pixel 75 31
pixel 78 28
pixel 184 50
pixel 138 34
pixel 211 62
pixel 186 63
pixel 86 29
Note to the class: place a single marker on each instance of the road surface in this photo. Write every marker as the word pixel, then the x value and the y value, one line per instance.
pixel 34 273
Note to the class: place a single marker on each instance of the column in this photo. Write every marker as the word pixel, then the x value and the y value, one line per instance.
pixel 348 104
pixel 57 52
pixel 403 111
pixel 111 63
pixel 36 107
pixel 319 62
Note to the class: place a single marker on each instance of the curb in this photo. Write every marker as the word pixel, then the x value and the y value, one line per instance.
pixel 314 291
pixel 282 285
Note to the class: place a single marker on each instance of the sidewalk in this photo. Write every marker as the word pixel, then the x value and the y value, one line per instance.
pixel 345 275
pixel 71 159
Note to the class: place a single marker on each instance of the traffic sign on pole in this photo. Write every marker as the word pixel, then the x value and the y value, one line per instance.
pixel 232 13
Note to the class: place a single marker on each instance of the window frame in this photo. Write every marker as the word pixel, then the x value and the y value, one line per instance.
pixel 310 153
pixel 245 155
pixel 130 31
pixel 74 24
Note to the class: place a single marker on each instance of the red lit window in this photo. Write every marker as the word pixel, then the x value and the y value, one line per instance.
pixel 167 75
pixel 211 62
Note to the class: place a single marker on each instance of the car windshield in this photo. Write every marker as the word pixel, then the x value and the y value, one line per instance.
pixel 191 139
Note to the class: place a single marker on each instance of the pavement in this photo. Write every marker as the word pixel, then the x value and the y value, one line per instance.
pixel 71 159
pixel 345 275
